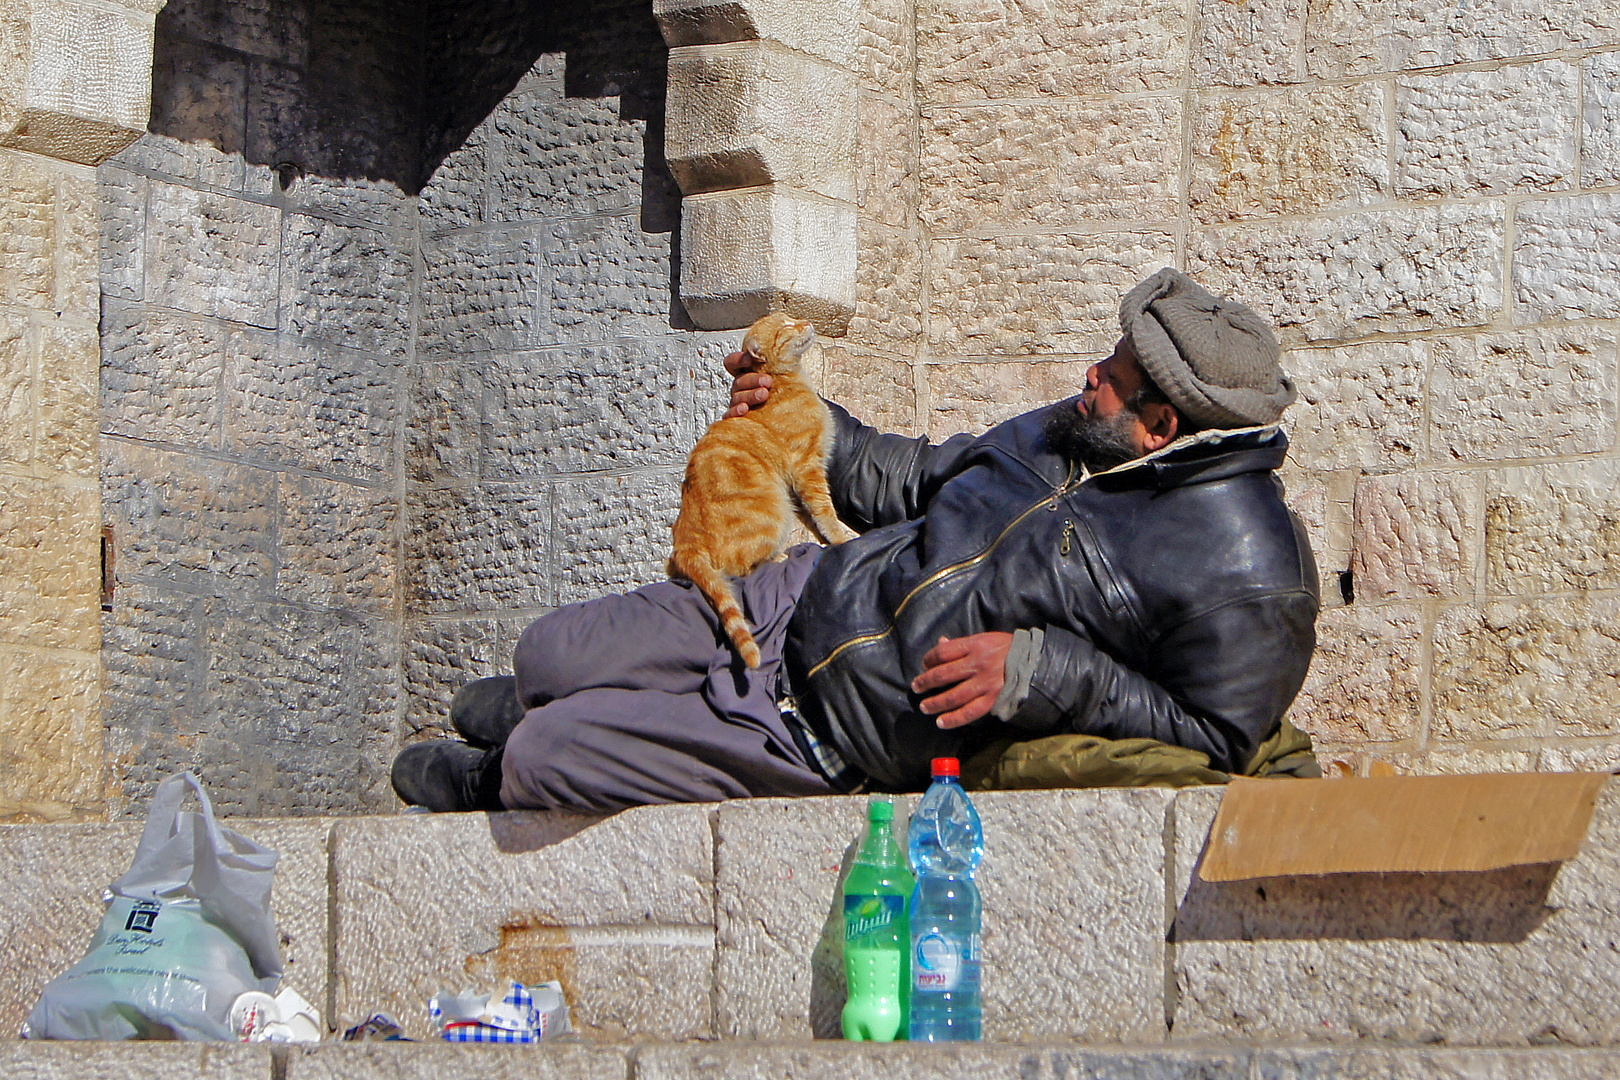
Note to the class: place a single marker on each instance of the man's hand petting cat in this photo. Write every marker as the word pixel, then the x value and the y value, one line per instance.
pixel 972 668
pixel 749 387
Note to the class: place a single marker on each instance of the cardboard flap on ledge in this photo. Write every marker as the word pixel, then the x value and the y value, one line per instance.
pixel 1277 828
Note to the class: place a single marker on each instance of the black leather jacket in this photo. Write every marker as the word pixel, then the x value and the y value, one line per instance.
pixel 1177 593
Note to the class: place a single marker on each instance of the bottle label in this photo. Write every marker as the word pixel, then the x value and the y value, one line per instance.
pixel 937 966
pixel 867 915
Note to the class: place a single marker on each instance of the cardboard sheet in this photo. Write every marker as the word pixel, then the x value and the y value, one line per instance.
pixel 1275 828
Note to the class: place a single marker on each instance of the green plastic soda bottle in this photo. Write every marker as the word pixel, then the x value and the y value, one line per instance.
pixel 877 943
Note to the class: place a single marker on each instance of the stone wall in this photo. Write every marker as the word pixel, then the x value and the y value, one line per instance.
pixel 559 385
pixel 258 272
pixel 1422 200
pixel 393 358
pixel 74 83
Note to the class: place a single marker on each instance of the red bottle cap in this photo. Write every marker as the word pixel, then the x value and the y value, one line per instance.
pixel 946 766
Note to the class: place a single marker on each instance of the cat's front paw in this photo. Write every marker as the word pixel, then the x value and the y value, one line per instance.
pixel 841 534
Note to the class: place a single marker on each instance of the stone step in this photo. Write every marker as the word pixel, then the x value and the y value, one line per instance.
pixel 800 1061
pixel 721 922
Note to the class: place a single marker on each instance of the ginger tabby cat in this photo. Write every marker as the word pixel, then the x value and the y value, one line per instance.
pixel 737 501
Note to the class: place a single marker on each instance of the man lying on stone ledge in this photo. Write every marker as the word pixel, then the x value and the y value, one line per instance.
pixel 1105 590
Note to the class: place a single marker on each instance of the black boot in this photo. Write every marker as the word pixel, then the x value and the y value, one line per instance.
pixel 485 711
pixel 447 776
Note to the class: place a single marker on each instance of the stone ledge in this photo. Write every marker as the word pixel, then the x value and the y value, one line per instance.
pixel 802 1061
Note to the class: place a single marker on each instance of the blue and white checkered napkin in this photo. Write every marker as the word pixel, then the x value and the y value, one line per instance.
pixel 517 1017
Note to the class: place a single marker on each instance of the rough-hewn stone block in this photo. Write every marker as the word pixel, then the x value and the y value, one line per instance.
pixel 78 243
pixel 1553 528
pixel 968 51
pixel 1581 757
pixel 992 167
pixel 133 1061
pixel 1400 270
pixel 888 298
pixel 1366 679
pixel 941 1061
pixel 443 655
pixel 200 93
pixel 749 113
pixel 1420 1063
pixel 184 161
pixel 1600 120
pixel 1487 132
pixel 552 155
pixel 54 876
pixel 188 520
pixel 824 28
pixel 354 199
pixel 443 427
pixel 885 168
pixel 454 901
pixel 1325 503
pixel 747 252
pixel 1073 895
pixel 456 195
pixel 338 544
pixel 50 728
pixel 879 390
pixel 1257 41
pixel 19 364
pixel 613 532
pixel 1567 254
pixel 1415 535
pixel 257 27
pixel 977 396
pixel 28 242
pixel 1359 407
pixel 212 254
pixel 605 277
pixel 586 408
pixel 1036 294
pixel 346 284
pixel 1296 151
pixel 122 196
pixel 311 405
pixel 160 376
pixel 458 1061
pixel 1528 668
pixel 69 399
pixel 479 290
pixel 1359 37
pixel 480 549
pixel 886 47
pixel 1535 393
pixel 49 561
pixel 84 87
pixel 1458 958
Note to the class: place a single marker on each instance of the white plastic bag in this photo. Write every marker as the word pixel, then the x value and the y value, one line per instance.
pixel 188 928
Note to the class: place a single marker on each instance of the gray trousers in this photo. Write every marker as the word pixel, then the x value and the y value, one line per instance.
pixel 640 698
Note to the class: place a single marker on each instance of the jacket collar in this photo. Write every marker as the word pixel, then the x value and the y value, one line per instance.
pixel 1213 454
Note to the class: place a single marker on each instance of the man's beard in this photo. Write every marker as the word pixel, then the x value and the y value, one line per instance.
pixel 1098 443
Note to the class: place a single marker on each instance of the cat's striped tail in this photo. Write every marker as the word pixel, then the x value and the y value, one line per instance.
pixel 717 587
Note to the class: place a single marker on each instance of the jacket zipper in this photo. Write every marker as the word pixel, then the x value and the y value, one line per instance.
pixel 1050 502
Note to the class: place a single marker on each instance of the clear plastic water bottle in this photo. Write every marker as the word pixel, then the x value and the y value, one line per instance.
pixel 947 843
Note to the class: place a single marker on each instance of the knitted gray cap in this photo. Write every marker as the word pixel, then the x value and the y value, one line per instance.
pixel 1215 359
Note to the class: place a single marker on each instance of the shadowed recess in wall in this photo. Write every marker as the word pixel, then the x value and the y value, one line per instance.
pixel 377 90
pixel 1501 906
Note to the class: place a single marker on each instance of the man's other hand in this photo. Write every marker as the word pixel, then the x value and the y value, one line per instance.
pixel 749 386
pixel 972 668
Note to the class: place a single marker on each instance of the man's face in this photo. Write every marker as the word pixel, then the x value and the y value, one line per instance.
pixel 1103 430
pixel 1111 382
